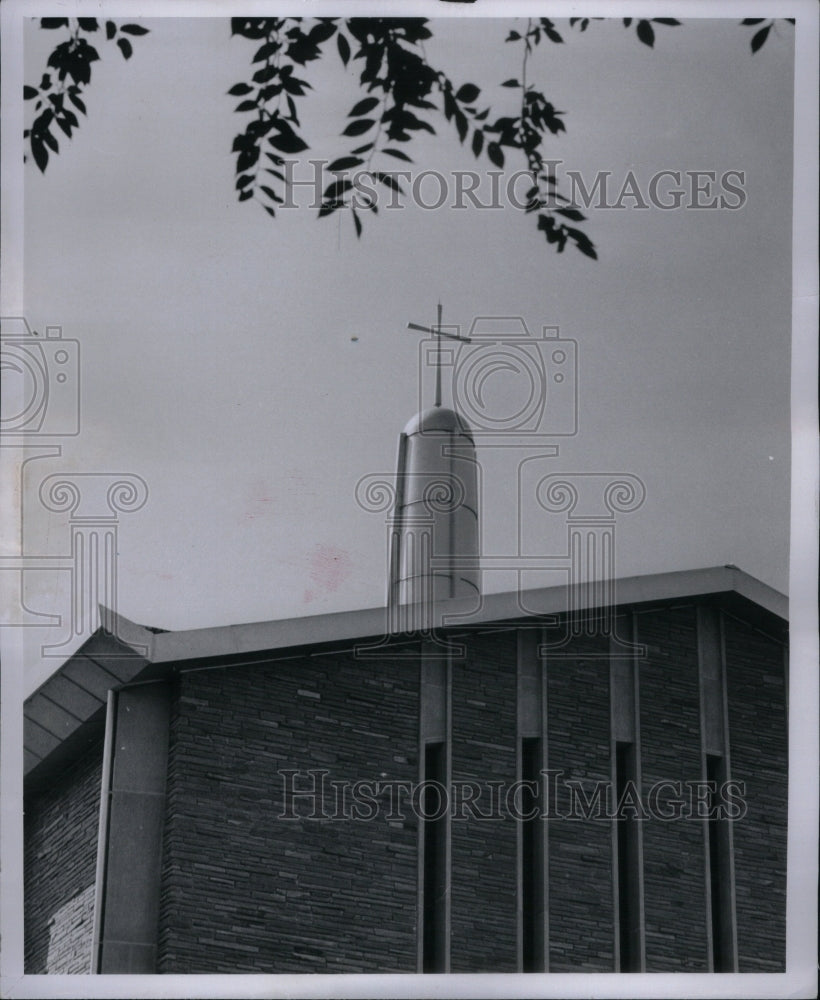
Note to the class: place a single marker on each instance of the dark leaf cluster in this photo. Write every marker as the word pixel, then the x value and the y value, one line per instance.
pixel 762 33
pixel 643 26
pixel 59 90
pixel 270 97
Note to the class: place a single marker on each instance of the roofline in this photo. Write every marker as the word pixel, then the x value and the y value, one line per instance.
pixel 69 707
pixel 224 640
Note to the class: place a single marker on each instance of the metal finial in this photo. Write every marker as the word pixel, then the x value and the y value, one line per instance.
pixel 439 333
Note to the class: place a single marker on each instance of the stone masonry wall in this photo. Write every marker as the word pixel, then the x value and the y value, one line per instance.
pixel 759 756
pixel 245 890
pixel 483 892
pixel 673 851
pixel 61 827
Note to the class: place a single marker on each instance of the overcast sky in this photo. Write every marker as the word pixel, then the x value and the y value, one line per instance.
pixel 251 370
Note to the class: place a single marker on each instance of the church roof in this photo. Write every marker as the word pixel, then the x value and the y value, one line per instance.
pixel 68 708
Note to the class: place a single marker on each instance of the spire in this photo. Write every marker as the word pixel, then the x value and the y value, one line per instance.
pixel 438 333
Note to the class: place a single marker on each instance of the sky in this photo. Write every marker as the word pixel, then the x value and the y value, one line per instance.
pixel 252 370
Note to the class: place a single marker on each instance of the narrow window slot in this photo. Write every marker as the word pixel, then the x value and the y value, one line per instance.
pixel 435 859
pixel 532 861
pixel 626 835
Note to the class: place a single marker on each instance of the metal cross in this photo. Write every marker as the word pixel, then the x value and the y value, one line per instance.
pixel 438 333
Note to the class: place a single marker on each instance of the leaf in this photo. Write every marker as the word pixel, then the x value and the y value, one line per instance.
pixel 265 74
pixel 245 195
pixel 363 107
pixel 359 126
pixel 50 141
pixel 266 51
pixel 399 155
pixel 270 193
pixel 339 187
pixel 110 30
pixel 357 222
pixel 512 82
pixel 125 47
pixel 240 89
pixel 389 181
pixel 345 162
pixel 344 48
pixel 753 20
pixel 246 106
pixel 467 93
pixel 362 149
pixel 29 92
pixel 288 143
pixel 495 154
pixel 243 181
pixel 571 213
pixel 87 23
pixel 78 104
pixel 645 33
pixel 321 32
pixel 50 23
pixel 39 152
pixel 461 125
pixel 671 21
pixel 478 142
pixel 134 29
pixel 760 37
pixel 512 37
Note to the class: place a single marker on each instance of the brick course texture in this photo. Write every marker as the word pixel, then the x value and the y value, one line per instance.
pixel 246 891
pixel 673 852
pixel 483 885
pixel 61 825
pixel 759 754
pixel 579 850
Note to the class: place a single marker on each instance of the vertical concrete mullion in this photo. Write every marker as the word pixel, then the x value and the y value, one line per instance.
pixel 131 830
pixel 624 702
pixel 639 774
pixel 714 723
pixel 102 835
pixel 448 856
pixel 542 663
pixel 531 723
pixel 435 726
pixel 727 776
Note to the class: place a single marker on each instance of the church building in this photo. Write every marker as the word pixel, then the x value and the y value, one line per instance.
pixel 543 780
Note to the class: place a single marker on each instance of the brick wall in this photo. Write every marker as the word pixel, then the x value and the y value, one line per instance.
pixel 61 825
pixel 483 885
pixel 246 891
pixel 759 751
pixel 580 850
pixel 674 852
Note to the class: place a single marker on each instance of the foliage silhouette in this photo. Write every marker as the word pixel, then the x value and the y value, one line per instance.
pixel 405 94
